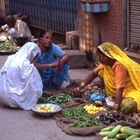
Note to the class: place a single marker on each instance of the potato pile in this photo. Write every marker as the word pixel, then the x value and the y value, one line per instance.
pixel 90 88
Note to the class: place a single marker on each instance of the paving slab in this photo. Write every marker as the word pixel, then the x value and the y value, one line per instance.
pixel 79 74
pixel 78 59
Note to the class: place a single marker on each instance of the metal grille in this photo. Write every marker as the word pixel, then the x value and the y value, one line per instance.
pixel 58 15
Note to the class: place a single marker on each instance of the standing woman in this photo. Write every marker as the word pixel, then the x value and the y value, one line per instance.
pixel 52 63
pixel 21 84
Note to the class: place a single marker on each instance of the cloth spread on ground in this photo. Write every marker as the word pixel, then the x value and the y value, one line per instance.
pixel 21 84
pixel 132 84
pixel 65 123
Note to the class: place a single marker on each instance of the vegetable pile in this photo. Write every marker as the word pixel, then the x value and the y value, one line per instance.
pixel 90 88
pixel 59 99
pixel 85 121
pixel 92 109
pixel 74 112
pixel 45 109
pixel 7 46
pixel 119 133
pixel 109 118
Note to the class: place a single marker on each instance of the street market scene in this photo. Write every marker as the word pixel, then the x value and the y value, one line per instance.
pixel 69 70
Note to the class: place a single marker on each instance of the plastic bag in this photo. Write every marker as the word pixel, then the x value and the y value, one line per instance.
pixel 109 101
pixel 96 96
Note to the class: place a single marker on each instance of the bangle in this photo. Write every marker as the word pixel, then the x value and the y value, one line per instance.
pixel 82 84
pixel 78 88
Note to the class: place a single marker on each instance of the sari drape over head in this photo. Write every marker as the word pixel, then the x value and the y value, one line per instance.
pixel 132 86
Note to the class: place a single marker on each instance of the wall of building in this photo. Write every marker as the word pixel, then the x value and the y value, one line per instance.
pixel 112 25
pixel 2 8
pixel 98 28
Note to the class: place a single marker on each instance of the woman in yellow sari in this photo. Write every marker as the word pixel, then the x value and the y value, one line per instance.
pixel 121 77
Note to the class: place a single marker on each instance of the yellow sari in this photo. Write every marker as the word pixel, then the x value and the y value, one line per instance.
pixel 132 87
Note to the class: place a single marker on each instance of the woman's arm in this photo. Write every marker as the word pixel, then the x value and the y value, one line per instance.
pixel 120 81
pixel 63 60
pixel 93 74
pixel 44 66
pixel 118 98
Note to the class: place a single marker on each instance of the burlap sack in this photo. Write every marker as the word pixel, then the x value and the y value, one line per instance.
pixel 64 124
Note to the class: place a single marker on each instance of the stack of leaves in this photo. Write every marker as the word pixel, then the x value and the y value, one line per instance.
pixel 59 99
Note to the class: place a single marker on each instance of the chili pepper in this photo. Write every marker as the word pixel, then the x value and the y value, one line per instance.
pixel 85 121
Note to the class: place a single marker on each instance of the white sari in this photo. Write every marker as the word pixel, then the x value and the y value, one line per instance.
pixel 20 82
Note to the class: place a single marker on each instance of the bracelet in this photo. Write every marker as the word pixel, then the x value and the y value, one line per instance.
pixel 82 84
pixel 50 65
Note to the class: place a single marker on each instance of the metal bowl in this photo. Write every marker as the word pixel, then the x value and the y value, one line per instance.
pixel 56 109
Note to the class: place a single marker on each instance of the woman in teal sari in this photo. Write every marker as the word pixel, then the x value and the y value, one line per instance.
pixel 52 63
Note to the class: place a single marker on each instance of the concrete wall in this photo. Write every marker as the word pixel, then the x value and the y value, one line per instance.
pixel 103 27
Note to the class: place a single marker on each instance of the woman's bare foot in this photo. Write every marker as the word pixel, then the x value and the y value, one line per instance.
pixel 48 92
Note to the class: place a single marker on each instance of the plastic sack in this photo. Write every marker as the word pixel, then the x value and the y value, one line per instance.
pixel 96 96
pixel 109 101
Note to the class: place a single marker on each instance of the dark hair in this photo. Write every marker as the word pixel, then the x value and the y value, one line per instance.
pixel 10 18
pixel 43 32
pixel 99 52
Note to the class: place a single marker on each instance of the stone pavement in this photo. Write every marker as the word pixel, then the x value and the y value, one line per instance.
pixel 17 124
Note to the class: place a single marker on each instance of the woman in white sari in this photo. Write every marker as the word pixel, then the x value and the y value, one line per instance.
pixel 21 84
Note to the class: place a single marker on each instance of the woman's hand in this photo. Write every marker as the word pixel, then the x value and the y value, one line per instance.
pixel 59 65
pixel 76 90
pixel 81 86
